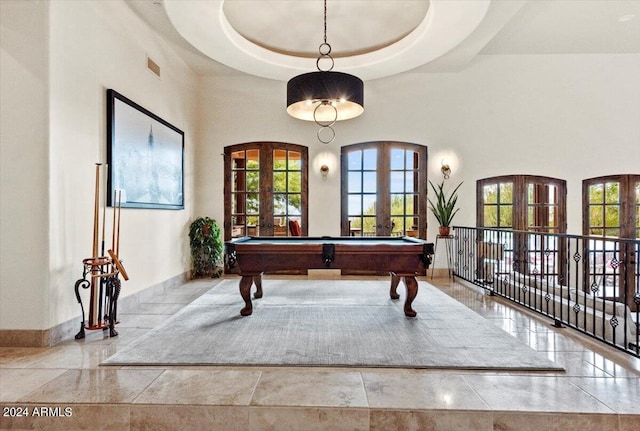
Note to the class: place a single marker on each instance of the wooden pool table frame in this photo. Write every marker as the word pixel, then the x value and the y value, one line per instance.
pixel 401 257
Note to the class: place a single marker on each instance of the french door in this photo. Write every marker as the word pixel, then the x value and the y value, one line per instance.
pixel 265 189
pixel 384 187
pixel 611 211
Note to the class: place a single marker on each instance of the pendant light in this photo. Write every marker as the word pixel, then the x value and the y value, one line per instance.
pixel 325 96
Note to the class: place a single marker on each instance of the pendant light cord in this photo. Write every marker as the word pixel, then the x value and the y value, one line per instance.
pixel 325 21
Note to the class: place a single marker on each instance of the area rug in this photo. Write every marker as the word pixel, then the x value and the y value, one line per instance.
pixel 338 323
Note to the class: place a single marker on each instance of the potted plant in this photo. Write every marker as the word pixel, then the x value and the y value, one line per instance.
pixel 206 248
pixel 444 208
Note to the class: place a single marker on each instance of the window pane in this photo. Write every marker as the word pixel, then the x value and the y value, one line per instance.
pixel 355 182
pixel 253 203
pixel 279 160
pixel 253 157
pixel 370 160
pixel 369 204
pixel 295 204
pixel 295 182
pixel 237 203
pixel 615 232
pixel 596 194
pixel 411 160
pixel 411 204
pixel 295 161
pixel 397 204
pixel 355 160
pixel 553 195
pixel 491 194
pixel 397 182
pixel 369 180
pixel 490 216
pixel 595 216
pixel 279 181
pixel 369 228
pixel 506 216
pixel 612 216
pixel 552 217
pixel 411 181
pixel 239 182
pixel 238 160
pixel 355 205
pixel 397 159
pixel 506 193
pixel 612 193
pixel 279 204
pixel 253 181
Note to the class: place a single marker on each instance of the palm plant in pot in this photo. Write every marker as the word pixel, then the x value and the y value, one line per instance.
pixel 444 207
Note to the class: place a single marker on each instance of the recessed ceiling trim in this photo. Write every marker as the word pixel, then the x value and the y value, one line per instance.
pixel 446 24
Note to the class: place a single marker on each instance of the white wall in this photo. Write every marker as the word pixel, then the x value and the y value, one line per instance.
pixel 564 116
pixel 92 46
pixel 24 164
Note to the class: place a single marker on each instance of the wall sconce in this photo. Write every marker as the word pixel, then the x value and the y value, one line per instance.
pixel 324 170
pixel 445 169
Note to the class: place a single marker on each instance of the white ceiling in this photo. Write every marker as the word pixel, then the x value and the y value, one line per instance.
pixel 374 38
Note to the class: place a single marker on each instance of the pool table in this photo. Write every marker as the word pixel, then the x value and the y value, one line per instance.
pixel 401 257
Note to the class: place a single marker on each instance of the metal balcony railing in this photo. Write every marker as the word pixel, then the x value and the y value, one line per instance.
pixel 591 284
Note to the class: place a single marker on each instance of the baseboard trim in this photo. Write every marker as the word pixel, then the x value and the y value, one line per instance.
pixel 67 330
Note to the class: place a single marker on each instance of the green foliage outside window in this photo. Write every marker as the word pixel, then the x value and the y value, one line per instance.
pixel 604 209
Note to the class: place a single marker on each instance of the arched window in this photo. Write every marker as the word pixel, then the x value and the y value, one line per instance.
pixel 384 186
pixel 610 210
pixel 265 189
pixel 526 203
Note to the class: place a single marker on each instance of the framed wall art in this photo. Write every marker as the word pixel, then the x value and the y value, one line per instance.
pixel 145 155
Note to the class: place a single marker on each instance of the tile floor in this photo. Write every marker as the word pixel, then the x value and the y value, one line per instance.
pixel 64 387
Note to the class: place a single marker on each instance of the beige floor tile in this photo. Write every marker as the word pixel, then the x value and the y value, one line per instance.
pixel 621 395
pixel 417 420
pixel 61 417
pixel 416 390
pixel 308 419
pixel 310 388
pixel 554 422
pixel 534 394
pixel 77 355
pixel 18 382
pixel 94 386
pixel 22 357
pixel 189 418
pixel 629 422
pixel 201 387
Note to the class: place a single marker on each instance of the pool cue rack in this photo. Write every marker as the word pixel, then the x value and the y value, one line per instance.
pixel 101 272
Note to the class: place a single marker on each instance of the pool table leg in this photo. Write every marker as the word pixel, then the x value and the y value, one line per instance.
pixel 412 292
pixel 257 280
pixel 245 291
pixel 395 280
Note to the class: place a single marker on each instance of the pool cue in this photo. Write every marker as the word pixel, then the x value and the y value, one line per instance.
pixel 103 297
pixel 94 299
pixel 113 231
pixel 118 234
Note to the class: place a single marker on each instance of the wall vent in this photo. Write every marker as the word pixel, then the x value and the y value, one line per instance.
pixel 153 67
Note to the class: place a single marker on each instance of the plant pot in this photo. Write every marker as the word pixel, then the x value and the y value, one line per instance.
pixel 444 230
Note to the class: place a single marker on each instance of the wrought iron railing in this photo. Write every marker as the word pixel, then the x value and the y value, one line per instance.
pixel 591 284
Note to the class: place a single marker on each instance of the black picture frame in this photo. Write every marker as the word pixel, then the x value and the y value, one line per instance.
pixel 145 157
